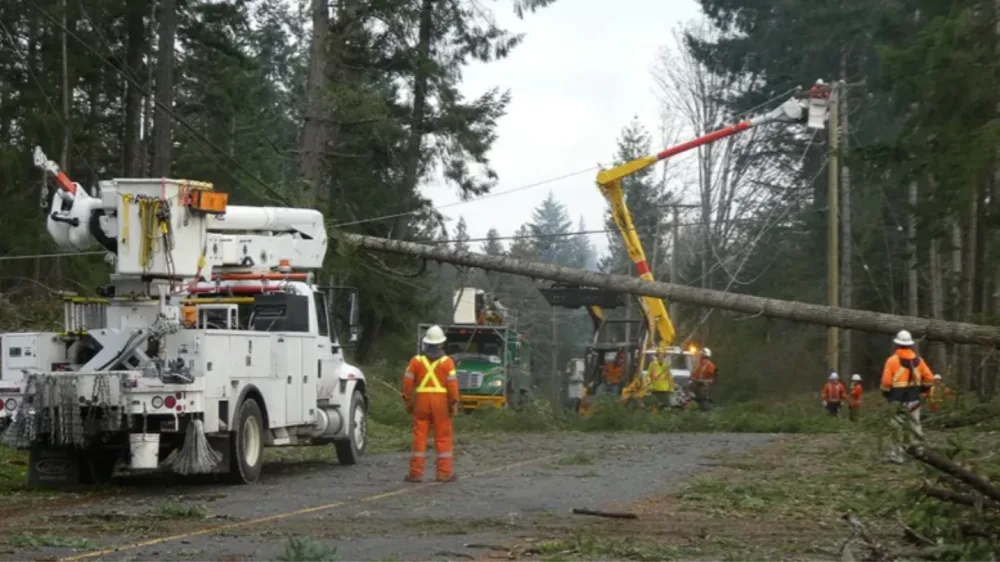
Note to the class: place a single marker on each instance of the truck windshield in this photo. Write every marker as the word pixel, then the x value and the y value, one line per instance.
pixel 460 357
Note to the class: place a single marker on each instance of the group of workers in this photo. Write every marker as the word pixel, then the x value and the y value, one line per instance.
pixel 906 379
pixel 430 393
pixel 661 380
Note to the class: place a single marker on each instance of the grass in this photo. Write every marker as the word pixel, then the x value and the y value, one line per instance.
pixel 303 549
pixel 175 510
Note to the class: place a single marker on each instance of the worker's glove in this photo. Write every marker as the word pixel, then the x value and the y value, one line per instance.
pixel 925 390
pixel 885 394
pixel 454 408
pixel 409 407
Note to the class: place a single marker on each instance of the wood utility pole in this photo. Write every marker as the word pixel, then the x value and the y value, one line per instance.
pixel 862 320
pixel 846 246
pixel 555 360
pixel 832 234
pixel 675 258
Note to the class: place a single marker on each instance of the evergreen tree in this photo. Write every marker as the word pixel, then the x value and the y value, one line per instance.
pixel 461 235
pixel 550 227
pixel 643 196
pixel 493 246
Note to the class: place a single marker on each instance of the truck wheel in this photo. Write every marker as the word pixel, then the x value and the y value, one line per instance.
pixel 246 444
pixel 350 450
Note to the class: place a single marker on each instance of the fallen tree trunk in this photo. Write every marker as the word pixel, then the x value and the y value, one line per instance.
pixel 950 467
pixel 863 320
pixel 955 497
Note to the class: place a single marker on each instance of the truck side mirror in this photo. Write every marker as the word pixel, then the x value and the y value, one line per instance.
pixel 344 310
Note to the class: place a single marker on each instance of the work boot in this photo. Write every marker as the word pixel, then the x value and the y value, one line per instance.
pixel 411 478
pixel 451 478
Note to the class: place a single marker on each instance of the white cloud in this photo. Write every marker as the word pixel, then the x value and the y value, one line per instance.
pixel 580 75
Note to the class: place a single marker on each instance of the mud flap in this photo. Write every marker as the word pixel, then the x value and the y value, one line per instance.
pixel 221 444
pixel 56 467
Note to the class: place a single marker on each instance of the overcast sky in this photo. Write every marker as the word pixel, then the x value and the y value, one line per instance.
pixel 580 75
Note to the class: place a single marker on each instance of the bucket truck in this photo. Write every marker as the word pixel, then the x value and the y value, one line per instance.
pixel 809 107
pixel 210 342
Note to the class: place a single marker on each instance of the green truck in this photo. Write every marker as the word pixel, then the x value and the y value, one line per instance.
pixel 492 359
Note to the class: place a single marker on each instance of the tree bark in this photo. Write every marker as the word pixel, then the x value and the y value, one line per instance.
pixel 937 355
pixel 863 320
pixel 163 125
pixel 66 93
pixel 846 233
pixel 912 296
pixel 136 29
pixel 421 77
pixel 316 132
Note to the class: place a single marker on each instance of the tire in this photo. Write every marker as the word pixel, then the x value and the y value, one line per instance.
pixel 350 450
pixel 246 444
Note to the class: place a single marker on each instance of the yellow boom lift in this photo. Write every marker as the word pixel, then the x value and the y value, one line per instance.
pixel 809 107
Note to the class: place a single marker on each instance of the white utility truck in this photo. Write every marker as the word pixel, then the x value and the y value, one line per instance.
pixel 210 342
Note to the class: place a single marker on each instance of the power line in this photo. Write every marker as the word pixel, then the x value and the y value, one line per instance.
pixel 465 201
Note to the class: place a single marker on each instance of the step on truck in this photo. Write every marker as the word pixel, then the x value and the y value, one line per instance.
pixel 492 359
pixel 210 342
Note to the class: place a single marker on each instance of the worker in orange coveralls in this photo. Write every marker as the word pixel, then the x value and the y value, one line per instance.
pixel 834 394
pixel 905 378
pixel 854 398
pixel 938 395
pixel 430 392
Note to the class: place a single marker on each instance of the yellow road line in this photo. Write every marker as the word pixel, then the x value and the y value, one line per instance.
pixel 286 515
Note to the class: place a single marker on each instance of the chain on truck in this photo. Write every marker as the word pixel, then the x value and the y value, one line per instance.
pixel 210 343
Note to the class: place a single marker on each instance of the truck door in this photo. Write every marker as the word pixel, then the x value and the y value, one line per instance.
pixel 329 358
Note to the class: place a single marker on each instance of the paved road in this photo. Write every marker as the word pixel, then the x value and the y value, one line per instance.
pixel 511 487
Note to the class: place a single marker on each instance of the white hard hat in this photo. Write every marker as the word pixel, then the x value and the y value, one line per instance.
pixel 434 336
pixel 856 377
pixel 707 352
pixel 937 377
pixel 834 376
pixel 903 338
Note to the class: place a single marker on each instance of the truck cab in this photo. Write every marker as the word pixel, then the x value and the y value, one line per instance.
pixel 492 359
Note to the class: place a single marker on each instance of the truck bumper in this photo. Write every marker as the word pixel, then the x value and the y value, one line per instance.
pixel 474 402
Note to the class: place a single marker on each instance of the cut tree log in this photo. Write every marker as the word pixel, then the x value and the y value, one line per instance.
pixel 862 320
pixel 950 467
pixel 961 499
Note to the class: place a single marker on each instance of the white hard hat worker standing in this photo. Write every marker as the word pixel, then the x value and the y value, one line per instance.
pixel 430 392
pixel 904 378
pixel 834 394
pixel 854 394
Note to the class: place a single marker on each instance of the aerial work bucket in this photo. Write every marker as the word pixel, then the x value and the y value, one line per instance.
pixel 145 449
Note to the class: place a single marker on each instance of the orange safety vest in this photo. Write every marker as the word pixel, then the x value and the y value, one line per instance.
pixel 904 369
pixel 430 377
pixel 834 392
pixel 854 398
pixel 705 371
pixel 938 394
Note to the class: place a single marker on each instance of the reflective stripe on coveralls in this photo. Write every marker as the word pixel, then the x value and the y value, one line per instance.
pixel 431 412
pixel 430 383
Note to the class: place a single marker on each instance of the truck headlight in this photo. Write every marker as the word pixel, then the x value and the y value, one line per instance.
pixel 495 383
